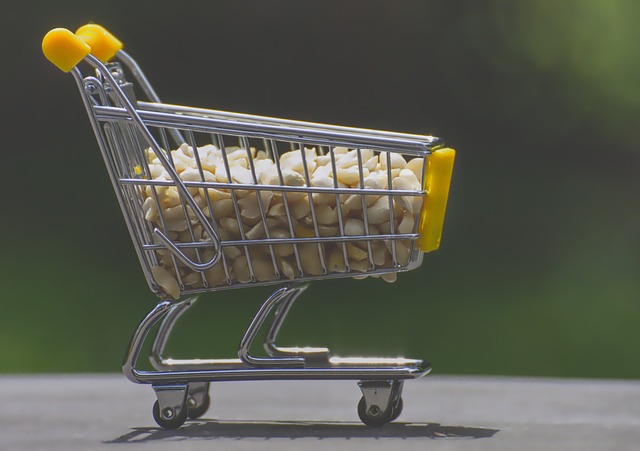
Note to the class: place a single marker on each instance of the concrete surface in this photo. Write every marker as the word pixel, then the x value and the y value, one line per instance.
pixel 106 412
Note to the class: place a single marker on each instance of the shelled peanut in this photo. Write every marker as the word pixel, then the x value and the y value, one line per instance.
pixel 249 214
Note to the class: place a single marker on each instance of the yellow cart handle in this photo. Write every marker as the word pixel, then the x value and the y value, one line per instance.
pixel 65 49
pixel 103 44
pixel 437 181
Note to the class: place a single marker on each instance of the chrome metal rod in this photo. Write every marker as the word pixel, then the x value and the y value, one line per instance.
pixel 256 374
pixel 272 131
pixel 277 188
pixel 255 325
pixel 138 339
pixel 308 353
pixel 278 319
pixel 274 241
pixel 164 332
pixel 432 141
pixel 146 87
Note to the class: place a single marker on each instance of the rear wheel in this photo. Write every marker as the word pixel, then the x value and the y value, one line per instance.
pixel 196 412
pixel 397 410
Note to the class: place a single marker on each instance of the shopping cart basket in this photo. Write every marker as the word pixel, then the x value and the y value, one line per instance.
pixel 215 200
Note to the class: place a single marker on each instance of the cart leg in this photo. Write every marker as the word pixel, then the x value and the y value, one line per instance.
pixel 138 339
pixel 381 401
pixel 164 331
pixel 310 354
pixel 255 325
pixel 170 410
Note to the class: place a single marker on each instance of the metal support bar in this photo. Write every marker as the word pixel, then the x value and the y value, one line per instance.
pixel 309 353
pixel 162 337
pixel 251 332
pixel 169 371
pixel 138 339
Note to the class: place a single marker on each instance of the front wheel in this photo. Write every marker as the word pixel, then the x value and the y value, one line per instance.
pixel 373 416
pixel 169 418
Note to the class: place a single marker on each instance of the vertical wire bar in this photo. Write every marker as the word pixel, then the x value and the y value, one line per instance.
pixel 236 207
pixel 115 146
pixel 134 200
pixel 263 213
pixel 129 142
pixel 165 146
pixel 345 255
pixel 392 225
pixel 185 210
pixel 314 219
pixel 154 194
pixel 136 145
pixel 364 210
pixel 145 226
pixel 205 191
pixel 135 211
pixel 285 201
pixel 268 149
pixel 216 142
pixel 192 142
pixel 118 149
pixel 214 223
pixel 417 215
pixel 196 155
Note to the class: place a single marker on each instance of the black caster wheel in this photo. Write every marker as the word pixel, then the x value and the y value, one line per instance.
pixel 197 411
pixel 170 420
pixel 397 410
pixel 374 417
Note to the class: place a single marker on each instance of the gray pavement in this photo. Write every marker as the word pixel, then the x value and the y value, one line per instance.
pixel 107 412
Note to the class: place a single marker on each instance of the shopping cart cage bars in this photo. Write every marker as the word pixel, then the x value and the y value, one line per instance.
pixel 215 200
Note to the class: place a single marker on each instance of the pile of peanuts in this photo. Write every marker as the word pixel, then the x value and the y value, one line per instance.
pixel 281 261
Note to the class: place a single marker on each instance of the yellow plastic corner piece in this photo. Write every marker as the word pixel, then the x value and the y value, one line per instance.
pixel 437 181
pixel 103 44
pixel 64 49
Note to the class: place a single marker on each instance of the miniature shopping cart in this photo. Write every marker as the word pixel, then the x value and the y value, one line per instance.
pixel 149 146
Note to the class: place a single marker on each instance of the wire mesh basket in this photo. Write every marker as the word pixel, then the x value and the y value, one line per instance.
pixel 215 200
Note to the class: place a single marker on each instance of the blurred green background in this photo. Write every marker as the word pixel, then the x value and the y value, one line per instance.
pixel 539 272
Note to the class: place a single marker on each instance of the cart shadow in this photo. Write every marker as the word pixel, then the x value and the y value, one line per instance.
pixel 237 430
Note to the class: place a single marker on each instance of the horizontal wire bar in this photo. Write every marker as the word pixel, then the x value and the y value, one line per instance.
pixel 309 135
pixel 228 115
pixel 284 280
pixel 274 241
pixel 259 187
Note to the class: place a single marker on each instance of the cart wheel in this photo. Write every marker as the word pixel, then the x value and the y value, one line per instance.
pixel 397 410
pixel 374 417
pixel 174 422
pixel 196 412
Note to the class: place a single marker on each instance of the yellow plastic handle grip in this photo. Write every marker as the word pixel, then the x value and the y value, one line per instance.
pixel 64 49
pixel 103 44
pixel 438 179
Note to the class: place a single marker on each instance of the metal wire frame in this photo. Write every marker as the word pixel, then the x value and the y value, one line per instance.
pixel 125 128
pixel 124 132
